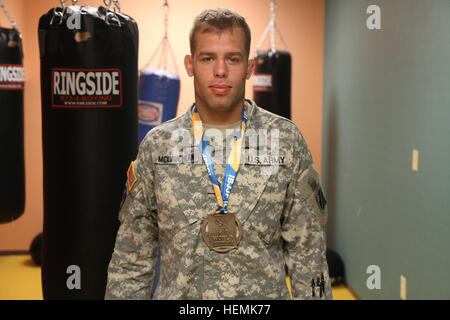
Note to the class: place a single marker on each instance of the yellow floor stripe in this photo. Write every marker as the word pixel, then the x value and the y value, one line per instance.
pixel 342 293
pixel 20 278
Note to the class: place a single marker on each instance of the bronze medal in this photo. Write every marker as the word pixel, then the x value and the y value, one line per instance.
pixel 221 234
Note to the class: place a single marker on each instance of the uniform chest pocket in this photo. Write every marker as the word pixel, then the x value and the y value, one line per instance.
pixel 180 191
pixel 265 217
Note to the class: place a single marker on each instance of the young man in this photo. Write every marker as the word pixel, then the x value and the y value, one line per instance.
pixel 227 190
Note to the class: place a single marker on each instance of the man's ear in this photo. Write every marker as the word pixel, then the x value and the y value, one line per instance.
pixel 188 65
pixel 250 68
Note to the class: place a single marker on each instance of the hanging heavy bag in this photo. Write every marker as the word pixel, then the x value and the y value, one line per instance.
pixel 90 136
pixel 272 76
pixel 12 188
pixel 159 89
pixel 272 82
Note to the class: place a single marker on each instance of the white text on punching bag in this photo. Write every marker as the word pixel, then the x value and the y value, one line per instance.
pixel 11 73
pixel 82 83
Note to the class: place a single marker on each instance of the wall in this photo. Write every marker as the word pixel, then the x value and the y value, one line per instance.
pixel 387 92
pixel 300 22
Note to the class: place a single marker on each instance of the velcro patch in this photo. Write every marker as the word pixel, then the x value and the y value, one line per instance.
pixel 308 182
pixel 131 176
pixel 310 189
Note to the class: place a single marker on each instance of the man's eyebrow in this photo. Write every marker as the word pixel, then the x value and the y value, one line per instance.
pixel 233 53
pixel 206 53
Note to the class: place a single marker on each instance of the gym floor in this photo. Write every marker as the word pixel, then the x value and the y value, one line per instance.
pixel 20 279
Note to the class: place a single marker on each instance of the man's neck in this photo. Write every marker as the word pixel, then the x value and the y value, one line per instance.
pixel 220 117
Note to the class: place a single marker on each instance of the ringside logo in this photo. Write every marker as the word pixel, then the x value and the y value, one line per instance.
pixel 86 88
pixel 262 82
pixel 11 77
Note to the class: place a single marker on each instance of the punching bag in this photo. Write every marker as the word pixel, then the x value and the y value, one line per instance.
pixel 12 188
pixel 272 82
pixel 159 91
pixel 272 76
pixel 90 135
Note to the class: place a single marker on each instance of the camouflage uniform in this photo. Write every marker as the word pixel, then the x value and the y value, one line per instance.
pixel 281 208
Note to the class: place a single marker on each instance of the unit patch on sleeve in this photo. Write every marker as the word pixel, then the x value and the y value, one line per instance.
pixel 318 194
pixel 131 176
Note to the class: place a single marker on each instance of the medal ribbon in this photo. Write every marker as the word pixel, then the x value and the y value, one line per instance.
pixel 233 162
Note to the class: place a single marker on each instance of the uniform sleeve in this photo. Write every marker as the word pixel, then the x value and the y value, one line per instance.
pixel 132 266
pixel 303 229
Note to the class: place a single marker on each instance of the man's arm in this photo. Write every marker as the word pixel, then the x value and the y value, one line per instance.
pixel 303 230
pixel 132 266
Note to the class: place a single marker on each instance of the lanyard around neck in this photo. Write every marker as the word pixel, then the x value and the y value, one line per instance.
pixel 233 162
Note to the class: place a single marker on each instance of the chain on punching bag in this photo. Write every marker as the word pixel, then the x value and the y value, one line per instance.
pixel 272 77
pixel 159 89
pixel 90 136
pixel 12 188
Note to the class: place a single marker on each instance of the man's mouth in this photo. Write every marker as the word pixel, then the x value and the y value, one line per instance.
pixel 220 88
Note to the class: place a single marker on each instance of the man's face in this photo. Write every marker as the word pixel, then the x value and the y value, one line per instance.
pixel 220 68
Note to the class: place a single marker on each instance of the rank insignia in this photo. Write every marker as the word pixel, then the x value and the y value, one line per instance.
pixel 131 176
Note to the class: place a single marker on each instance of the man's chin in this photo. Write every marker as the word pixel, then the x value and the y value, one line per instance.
pixel 223 105
pixel 220 106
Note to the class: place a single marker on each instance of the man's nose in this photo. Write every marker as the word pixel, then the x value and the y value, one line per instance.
pixel 221 70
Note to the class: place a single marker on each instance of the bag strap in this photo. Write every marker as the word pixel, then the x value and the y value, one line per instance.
pixel 164 46
pixel 110 15
pixel 9 16
pixel 272 27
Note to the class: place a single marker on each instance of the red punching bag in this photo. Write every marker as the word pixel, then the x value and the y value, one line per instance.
pixel 12 188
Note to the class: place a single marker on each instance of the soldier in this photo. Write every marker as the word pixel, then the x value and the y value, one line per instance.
pixel 228 191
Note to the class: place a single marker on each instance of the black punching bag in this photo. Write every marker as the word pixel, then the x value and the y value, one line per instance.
pixel 272 81
pixel 12 187
pixel 90 135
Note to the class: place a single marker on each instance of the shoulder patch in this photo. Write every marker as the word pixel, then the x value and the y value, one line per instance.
pixel 131 176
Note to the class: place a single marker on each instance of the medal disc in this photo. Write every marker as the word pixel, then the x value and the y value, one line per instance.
pixel 221 234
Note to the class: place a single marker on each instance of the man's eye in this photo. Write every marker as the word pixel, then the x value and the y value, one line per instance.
pixel 234 60
pixel 206 59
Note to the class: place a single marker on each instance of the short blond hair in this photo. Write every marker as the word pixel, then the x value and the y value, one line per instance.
pixel 219 19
